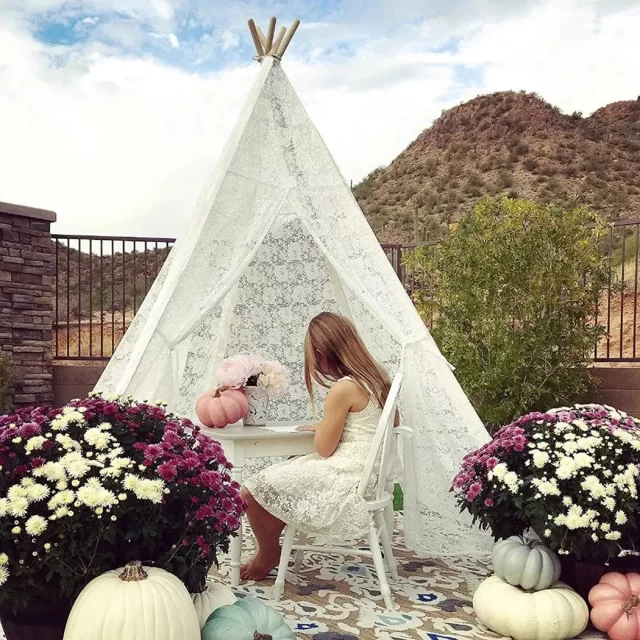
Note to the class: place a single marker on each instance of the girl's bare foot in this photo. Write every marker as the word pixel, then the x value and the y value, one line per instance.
pixel 260 565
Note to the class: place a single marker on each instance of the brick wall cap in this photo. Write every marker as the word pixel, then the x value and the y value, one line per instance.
pixel 27 212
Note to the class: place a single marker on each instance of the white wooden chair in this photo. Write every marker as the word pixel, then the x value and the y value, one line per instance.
pixel 382 450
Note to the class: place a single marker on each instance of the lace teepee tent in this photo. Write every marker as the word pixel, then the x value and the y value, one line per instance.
pixel 276 238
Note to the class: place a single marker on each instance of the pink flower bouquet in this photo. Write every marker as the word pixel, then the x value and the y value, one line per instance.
pixel 242 371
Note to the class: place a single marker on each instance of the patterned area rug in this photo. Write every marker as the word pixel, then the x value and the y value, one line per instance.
pixel 337 597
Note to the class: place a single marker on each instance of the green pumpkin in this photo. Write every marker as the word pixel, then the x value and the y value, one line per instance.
pixel 248 619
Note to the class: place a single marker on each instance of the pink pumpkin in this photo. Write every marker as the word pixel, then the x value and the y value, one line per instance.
pixel 615 603
pixel 218 408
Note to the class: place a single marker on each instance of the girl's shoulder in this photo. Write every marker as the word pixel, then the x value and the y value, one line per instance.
pixel 346 387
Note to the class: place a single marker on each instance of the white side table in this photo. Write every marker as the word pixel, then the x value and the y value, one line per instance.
pixel 239 443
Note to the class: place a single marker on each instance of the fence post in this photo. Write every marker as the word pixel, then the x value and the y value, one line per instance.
pixel 26 300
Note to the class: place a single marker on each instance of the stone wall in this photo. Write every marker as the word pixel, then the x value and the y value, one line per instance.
pixel 26 300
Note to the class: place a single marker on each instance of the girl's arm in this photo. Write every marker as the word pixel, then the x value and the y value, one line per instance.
pixel 329 430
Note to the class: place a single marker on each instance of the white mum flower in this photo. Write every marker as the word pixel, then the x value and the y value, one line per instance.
pixel 605 526
pixel 582 460
pixel 75 465
pixel 593 485
pixel 97 438
pixel 4 559
pixel 34 444
pixel 613 535
pixel 540 458
pixel 546 487
pixel 4 574
pixel 61 498
pixel 105 426
pixel 621 517
pixel 121 463
pixel 4 507
pixel 609 503
pixel 581 424
pixel 512 481
pixel 37 492
pixel 16 492
pixel 145 489
pixel 61 512
pixel 499 471
pixel 68 442
pixel 35 525
pixel 52 471
pixel 594 537
pixel 94 495
pixel 567 501
pixel 18 507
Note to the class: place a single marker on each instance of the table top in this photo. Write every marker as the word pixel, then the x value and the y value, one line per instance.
pixel 240 432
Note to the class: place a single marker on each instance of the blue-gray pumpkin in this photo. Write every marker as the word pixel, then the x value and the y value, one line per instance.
pixel 248 619
pixel 526 564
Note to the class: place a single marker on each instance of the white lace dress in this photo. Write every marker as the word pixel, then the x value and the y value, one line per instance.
pixel 319 495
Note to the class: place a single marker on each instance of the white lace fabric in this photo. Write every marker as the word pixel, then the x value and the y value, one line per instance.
pixel 319 495
pixel 276 238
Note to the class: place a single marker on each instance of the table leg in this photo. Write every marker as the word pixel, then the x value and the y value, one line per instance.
pixel 236 456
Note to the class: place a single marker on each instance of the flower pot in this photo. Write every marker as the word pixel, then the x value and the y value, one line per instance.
pixel 43 623
pixel 583 576
pixel 258 400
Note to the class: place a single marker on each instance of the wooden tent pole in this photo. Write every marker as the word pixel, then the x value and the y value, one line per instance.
pixel 263 40
pixel 270 31
pixel 277 42
pixel 290 33
pixel 256 38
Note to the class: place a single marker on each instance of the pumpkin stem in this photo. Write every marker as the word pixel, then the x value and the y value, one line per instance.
pixel 133 572
pixel 631 603
pixel 262 636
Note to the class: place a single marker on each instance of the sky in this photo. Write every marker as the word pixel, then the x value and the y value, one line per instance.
pixel 113 112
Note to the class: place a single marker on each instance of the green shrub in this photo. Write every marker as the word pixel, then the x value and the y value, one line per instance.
pixel 6 383
pixel 514 314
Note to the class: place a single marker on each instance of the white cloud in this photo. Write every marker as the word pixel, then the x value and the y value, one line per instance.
pixel 173 41
pixel 122 144
pixel 230 40
pixel 568 52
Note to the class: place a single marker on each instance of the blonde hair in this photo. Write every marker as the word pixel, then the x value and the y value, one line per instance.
pixel 337 341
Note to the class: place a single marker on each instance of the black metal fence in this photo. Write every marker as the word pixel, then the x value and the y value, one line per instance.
pixel 618 307
pixel 100 282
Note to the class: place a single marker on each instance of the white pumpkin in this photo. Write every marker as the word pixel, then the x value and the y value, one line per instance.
pixel 214 596
pixel 525 564
pixel 136 603
pixel 557 613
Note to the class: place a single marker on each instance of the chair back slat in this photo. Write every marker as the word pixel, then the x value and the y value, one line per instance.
pixel 382 444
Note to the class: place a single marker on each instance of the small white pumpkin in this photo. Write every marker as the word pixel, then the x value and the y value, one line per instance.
pixel 526 564
pixel 136 603
pixel 557 613
pixel 215 595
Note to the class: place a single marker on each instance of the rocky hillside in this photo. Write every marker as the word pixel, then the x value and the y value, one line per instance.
pixel 506 143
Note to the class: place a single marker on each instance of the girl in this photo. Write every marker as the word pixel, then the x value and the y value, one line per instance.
pixel 318 493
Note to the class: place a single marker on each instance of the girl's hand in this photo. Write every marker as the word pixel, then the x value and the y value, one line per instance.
pixel 306 427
